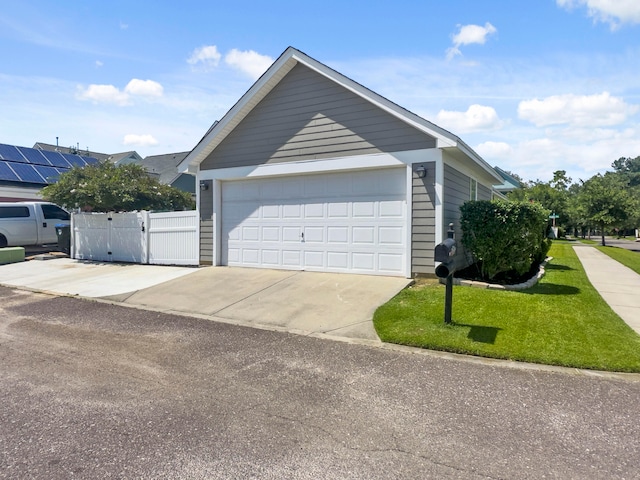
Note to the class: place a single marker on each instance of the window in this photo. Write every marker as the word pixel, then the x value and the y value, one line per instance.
pixel 14 212
pixel 473 189
pixel 54 212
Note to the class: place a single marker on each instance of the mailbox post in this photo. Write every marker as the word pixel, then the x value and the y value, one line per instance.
pixel 445 253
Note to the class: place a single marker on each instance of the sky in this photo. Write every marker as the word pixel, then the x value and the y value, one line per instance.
pixel 533 86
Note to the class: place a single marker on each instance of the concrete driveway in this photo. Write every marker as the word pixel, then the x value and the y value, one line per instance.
pixel 309 303
pixel 320 304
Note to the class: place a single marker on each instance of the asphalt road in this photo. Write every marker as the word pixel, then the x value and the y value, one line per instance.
pixel 94 390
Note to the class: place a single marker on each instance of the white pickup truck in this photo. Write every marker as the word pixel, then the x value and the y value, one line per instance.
pixel 30 223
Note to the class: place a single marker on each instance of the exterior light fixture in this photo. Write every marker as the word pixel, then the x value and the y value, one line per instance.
pixel 421 171
pixel 204 185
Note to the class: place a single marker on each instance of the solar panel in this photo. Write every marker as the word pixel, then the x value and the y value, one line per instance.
pixel 11 153
pixel 74 160
pixel 33 155
pixel 6 173
pixel 27 173
pixel 50 174
pixel 90 160
pixel 56 159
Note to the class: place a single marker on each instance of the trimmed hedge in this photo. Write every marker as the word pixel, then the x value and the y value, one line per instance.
pixel 505 236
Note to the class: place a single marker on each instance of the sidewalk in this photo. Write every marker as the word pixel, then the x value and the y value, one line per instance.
pixel 617 284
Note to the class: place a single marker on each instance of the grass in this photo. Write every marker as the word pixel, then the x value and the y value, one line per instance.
pixel 560 321
pixel 626 257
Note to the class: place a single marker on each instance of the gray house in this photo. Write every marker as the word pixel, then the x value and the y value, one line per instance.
pixel 312 171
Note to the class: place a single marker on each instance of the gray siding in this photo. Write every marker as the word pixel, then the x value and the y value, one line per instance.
pixel 456 191
pixel 423 221
pixel 206 225
pixel 206 242
pixel 484 193
pixel 307 116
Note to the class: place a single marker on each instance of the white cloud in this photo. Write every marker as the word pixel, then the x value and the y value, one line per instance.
pixel 132 139
pixel 113 95
pixel 476 118
pixel 592 110
pixel 494 150
pixel 124 26
pixel 470 34
pixel 98 64
pixel 208 56
pixel 613 12
pixel 145 88
pixel 248 62
pixel 103 94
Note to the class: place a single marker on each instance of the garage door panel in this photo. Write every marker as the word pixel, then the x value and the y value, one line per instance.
pixel 338 210
pixel 338 235
pixel 390 236
pixel 364 235
pixel 292 211
pixel 364 209
pixel 339 222
pixel 291 235
pixel 271 257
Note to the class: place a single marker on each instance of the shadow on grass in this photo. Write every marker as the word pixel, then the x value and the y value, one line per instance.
pixel 551 266
pixel 478 333
pixel 551 289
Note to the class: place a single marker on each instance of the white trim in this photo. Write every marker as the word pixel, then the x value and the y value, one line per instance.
pixel 356 162
pixel 439 200
pixel 216 215
pixel 409 223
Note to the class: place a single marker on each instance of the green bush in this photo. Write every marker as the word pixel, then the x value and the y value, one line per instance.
pixel 505 236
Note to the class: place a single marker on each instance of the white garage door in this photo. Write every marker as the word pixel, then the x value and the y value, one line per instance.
pixel 341 222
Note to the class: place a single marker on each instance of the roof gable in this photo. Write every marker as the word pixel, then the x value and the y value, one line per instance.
pixel 272 77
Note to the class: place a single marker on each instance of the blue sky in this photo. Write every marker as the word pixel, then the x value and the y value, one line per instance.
pixel 533 86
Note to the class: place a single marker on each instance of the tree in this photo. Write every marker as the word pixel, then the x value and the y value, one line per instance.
pixel 105 187
pixel 605 201
pixel 553 195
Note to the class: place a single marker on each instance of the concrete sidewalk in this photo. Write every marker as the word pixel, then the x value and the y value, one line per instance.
pixel 617 284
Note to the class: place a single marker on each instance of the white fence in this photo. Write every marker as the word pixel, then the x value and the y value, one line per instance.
pixel 140 237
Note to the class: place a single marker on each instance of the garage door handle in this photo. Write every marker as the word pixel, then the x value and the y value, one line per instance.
pixel 302 235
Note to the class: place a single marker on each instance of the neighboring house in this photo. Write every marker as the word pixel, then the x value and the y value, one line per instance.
pixel 25 171
pixel 122 158
pixel 310 170
pixel 509 182
pixel 165 169
pixel 71 151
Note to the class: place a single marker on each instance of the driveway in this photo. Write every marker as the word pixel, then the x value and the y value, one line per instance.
pixel 321 304
pixel 309 303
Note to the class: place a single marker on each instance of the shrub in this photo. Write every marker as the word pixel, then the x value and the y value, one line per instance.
pixel 505 236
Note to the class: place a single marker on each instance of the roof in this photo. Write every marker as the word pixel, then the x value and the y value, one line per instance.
pixel 165 165
pixel 279 69
pixel 509 182
pixel 56 148
pixel 124 157
pixel 33 166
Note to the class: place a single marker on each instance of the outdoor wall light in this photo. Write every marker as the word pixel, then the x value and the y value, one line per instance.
pixel 204 185
pixel 421 171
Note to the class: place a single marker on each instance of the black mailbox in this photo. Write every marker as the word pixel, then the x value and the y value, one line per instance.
pixel 445 253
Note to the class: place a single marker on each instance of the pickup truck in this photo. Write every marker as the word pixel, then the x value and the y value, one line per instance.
pixel 30 223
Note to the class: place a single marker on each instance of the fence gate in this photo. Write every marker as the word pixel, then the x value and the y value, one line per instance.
pixel 109 237
pixel 140 237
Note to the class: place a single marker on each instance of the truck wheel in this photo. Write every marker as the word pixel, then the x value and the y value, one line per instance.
pixel 3 241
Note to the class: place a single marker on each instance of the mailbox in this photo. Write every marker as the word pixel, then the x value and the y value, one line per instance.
pixel 445 253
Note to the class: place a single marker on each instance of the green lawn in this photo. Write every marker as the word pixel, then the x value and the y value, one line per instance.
pixel 560 321
pixel 625 257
